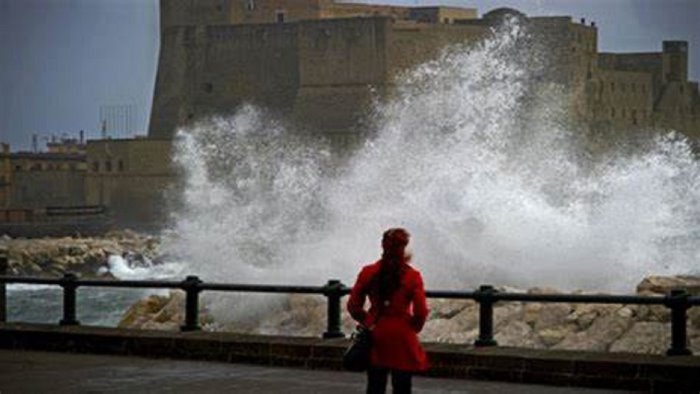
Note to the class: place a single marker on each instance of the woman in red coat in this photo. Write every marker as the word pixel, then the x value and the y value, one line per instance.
pixel 397 313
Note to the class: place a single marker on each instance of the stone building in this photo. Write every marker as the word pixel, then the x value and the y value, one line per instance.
pixel 35 180
pixel 131 178
pixel 320 64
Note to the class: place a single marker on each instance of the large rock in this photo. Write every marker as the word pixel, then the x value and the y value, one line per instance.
pixel 441 330
pixel 644 337
pixel 664 284
pixel 83 256
pixel 600 335
pixel 551 315
pixel 447 308
pixel 518 334
pixel 142 311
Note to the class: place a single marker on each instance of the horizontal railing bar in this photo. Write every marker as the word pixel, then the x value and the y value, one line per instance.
pixel 580 298
pixel 129 283
pixel 262 288
pixel 449 294
pixel 495 296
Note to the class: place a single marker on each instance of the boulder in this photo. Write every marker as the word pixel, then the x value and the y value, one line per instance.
pixel 439 330
pixel 142 311
pixel 551 315
pixel 599 336
pixel 518 334
pixel 446 308
pixel 551 336
pixel 664 284
pixel 644 337
pixel 505 313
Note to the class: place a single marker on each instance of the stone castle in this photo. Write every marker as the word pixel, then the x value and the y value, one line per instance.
pixel 321 63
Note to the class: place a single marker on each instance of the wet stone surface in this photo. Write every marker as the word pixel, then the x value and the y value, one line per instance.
pixel 33 372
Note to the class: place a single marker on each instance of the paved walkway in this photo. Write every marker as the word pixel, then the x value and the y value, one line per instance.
pixel 43 372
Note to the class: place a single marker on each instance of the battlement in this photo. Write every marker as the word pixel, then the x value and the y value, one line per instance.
pixel 237 12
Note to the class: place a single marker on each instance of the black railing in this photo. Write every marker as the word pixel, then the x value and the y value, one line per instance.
pixel 678 301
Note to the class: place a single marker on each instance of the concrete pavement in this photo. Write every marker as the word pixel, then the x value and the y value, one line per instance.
pixel 45 372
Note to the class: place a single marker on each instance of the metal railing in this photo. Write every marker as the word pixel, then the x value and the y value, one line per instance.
pixel 677 301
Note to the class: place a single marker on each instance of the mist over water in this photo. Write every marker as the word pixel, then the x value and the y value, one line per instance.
pixel 472 156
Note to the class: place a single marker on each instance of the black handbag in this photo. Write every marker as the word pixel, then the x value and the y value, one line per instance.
pixel 356 357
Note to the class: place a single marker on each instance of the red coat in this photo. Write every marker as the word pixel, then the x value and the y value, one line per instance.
pixel 395 342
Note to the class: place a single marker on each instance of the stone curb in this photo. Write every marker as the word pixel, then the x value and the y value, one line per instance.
pixel 564 368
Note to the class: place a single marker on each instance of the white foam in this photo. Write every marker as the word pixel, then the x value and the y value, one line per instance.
pixel 121 268
pixel 472 158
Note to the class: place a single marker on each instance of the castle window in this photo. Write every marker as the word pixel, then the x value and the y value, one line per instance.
pixel 120 166
pixel 95 166
pixel 251 5
pixel 108 166
pixel 18 167
pixel 280 16
pixel 447 20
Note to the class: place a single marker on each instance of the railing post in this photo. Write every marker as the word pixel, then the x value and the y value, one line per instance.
pixel 191 287
pixel 333 293
pixel 69 289
pixel 677 300
pixel 3 287
pixel 484 296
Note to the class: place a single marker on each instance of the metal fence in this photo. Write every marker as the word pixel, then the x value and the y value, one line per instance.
pixel 677 301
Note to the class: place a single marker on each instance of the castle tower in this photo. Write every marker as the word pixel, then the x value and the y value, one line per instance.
pixel 675 61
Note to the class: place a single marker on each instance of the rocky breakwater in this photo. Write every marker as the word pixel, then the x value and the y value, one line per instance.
pixel 596 327
pixel 88 257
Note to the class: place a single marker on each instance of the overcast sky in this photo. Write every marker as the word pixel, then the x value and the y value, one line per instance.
pixel 63 60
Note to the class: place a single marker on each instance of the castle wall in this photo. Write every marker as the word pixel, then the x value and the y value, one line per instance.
pixel 622 99
pixel 172 83
pixel 651 63
pixel 349 10
pixel 39 189
pixel 195 12
pixel 416 43
pixel 340 63
pixel 273 11
pixel 678 108
pixel 5 175
pixel 131 177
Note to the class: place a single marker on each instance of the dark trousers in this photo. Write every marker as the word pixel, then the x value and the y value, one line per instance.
pixel 377 377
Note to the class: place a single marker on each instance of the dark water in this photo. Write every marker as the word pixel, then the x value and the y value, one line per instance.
pixel 95 306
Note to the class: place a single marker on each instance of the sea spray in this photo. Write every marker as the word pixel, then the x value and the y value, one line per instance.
pixel 473 154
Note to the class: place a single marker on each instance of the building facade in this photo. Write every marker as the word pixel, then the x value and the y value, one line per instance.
pixel 320 63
